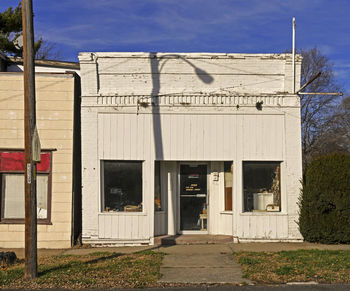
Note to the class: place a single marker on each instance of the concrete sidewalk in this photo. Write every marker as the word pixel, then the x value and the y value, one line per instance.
pixel 247 247
pixel 210 264
pixel 80 251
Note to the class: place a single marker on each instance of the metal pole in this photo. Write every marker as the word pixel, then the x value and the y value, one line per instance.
pixel 309 82
pixel 29 127
pixel 321 93
pixel 293 52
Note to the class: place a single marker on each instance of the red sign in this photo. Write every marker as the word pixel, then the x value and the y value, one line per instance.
pixel 14 162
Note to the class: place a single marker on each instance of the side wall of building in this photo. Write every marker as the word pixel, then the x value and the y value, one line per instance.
pixel 55 103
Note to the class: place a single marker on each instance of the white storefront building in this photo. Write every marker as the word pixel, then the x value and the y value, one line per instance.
pixel 196 143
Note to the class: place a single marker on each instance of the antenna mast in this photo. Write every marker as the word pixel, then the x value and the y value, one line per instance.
pixel 293 53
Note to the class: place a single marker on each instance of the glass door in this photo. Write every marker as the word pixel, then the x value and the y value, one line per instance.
pixel 193 197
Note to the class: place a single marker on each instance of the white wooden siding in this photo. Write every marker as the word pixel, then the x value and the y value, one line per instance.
pixel 263 226
pixel 190 137
pixel 124 226
pixel 160 223
pixel 184 137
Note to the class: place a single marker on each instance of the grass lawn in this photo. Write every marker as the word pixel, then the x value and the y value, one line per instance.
pixel 322 266
pixel 97 270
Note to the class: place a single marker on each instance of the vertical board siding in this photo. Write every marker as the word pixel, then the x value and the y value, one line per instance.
pixel 184 137
pixel 190 137
pixel 225 226
pixel 124 227
pixel 160 221
pixel 263 226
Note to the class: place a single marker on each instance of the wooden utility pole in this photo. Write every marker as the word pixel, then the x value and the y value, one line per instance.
pixel 29 128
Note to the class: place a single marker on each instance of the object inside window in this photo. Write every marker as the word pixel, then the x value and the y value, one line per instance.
pixel 228 173
pixel 157 191
pixel 122 186
pixel 262 186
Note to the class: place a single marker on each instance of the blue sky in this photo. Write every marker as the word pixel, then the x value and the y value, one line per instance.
pixel 242 26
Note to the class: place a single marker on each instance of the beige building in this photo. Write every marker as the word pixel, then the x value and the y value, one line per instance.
pixel 190 143
pixel 58 180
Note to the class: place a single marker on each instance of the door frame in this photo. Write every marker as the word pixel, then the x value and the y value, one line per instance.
pixel 178 212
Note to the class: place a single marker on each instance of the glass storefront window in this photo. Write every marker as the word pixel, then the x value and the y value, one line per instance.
pixel 262 186
pixel 122 186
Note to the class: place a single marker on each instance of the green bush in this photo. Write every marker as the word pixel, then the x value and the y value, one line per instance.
pixel 325 200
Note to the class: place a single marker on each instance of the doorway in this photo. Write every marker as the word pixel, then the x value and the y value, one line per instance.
pixel 193 197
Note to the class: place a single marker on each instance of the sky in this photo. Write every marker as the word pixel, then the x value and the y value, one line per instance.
pixel 227 26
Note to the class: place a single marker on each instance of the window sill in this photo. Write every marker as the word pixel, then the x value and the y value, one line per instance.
pixel 228 212
pixel 122 213
pixel 21 221
pixel 267 213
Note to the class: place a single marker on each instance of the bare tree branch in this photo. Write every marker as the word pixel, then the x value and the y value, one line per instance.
pixel 318 110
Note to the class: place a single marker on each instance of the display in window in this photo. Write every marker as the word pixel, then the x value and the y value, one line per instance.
pixel 262 186
pixel 157 191
pixel 122 186
pixel 193 180
pixel 228 175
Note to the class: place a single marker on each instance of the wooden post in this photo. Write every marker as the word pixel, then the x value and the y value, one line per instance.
pixel 29 127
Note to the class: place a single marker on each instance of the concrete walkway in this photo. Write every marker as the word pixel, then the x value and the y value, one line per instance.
pixel 210 264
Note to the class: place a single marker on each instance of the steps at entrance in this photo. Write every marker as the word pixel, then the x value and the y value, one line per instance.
pixel 192 239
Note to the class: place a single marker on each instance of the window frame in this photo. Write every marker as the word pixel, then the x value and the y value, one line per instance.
pixel 102 189
pixel 161 209
pixel 281 185
pixel 45 221
pixel 232 169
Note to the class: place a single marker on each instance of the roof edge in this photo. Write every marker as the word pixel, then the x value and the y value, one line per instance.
pixel 86 56
pixel 48 63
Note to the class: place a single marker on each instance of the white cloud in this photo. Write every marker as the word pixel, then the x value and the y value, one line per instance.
pixel 231 25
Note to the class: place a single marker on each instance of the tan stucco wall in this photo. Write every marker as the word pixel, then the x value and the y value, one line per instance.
pixel 55 103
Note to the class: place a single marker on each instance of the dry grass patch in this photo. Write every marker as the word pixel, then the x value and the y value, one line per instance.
pixel 97 270
pixel 322 266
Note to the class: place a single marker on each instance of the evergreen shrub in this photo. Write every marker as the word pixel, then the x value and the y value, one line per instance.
pixel 325 200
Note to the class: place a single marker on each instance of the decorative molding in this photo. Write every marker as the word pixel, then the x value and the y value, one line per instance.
pixel 193 100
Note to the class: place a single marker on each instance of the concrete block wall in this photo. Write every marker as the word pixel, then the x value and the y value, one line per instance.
pixel 186 73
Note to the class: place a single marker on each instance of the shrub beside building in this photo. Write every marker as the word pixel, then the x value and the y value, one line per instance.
pixel 325 200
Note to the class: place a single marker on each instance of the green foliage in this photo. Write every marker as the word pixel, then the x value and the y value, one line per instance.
pixel 11 29
pixel 325 200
